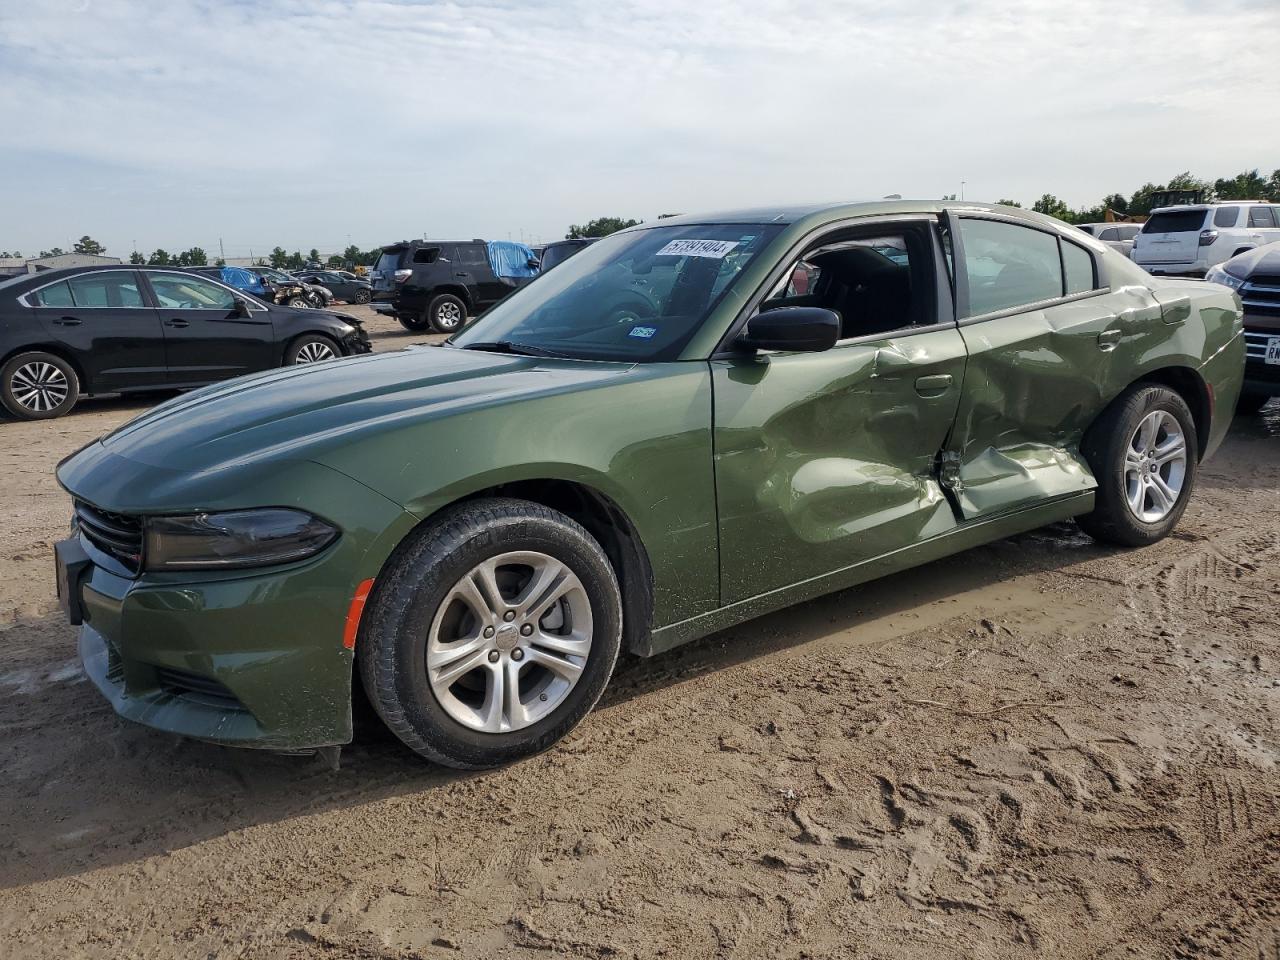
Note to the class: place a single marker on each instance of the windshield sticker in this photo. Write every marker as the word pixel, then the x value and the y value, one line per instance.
pixel 643 333
pixel 715 249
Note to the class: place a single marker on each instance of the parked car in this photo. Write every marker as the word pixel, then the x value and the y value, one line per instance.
pixel 473 531
pixel 1118 236
pixel 1191 239
pixel 554 254
pixel 291 294
pixel 316 295
pixel 1255 276
pixel 437 284
pixel 349 290
pixel 112 329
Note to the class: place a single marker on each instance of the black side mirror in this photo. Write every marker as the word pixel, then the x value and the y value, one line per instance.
pixel 808 329
pixel 242 307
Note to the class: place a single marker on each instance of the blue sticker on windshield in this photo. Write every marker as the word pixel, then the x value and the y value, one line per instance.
pixel 643 333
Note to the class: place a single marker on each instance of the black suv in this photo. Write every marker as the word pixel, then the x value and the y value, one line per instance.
pixel 439 283
pixel 117 328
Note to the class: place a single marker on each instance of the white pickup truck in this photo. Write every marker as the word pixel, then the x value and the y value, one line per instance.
pixel 1190 239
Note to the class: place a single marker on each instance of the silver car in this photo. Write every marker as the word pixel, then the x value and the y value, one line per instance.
pixel 1117 236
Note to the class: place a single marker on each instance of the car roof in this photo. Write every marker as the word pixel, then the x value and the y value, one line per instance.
pixel 426 243
pixel 1207 206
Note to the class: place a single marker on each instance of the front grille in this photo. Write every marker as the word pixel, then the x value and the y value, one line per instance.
pixel 1261 295
pixel 196 688
pixel 1255 345
pixel 114 534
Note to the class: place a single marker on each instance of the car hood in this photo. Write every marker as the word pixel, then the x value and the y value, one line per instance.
pixel 300 413
pixel 1263 259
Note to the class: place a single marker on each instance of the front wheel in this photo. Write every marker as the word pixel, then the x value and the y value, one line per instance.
pixel 490 633
pixel 38 386
pixel 311 348
pixel 1143 453
pixel 300 302
pixel 362 296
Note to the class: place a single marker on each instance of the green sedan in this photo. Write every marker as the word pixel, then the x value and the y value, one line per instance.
pixel 689 424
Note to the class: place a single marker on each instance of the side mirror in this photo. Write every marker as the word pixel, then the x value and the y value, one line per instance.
pixel 242 307
pixel 800 329
pixel 534 263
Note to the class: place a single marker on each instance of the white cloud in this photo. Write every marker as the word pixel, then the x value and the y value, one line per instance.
pixel 300 123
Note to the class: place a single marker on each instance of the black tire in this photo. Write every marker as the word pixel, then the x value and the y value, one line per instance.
pixel 446 313
pixel 1105 445
pixel 391 649
pixel 362 296
pixel 298 302
pixel 304 349
pixel 415 324
pixel 38 386
pixel 1251 403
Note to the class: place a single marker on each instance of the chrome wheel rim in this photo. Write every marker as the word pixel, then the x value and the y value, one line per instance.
pixel 509 642
pixel 39 386
pixel 448 315
pixel 1155 467
pixel 314 352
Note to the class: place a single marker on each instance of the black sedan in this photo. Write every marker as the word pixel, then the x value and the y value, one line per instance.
pixel 112 329
pixel 350 291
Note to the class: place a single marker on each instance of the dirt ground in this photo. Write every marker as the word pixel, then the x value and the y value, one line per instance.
pixel 1041 748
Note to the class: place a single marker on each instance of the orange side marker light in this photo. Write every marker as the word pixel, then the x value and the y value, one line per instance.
pixel 354 612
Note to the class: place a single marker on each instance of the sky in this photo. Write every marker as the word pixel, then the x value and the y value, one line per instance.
pixel 318 123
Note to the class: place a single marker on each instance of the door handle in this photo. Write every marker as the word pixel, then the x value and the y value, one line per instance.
pixel 68 322
pixel 462 273
pixel 175 322
pixel 1108 339
pixel 933 385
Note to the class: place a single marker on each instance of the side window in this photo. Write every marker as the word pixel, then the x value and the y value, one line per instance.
pixel 1129 231
pixel 426 255
pixel 1109 234
pixel 1009 265
pixel 1261 217
pixel 877 284
pixel 55 295
pixel 1078 266
pixel 473 255
pixel 1226 216
pixel 190 293
pixel 111 288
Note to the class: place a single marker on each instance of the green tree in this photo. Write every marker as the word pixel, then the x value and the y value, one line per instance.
pixel 55 252
pixel 88 245
pixel 278 257
pixel 313 256
pixel 1249 185
pixel 197 257
pixel 1273 189
pixel 1117 202
pixel 336 261
pixel 353 255
pixel 950 196
pixel 295 261
pixel 219 262
pixel 160 258
pixel 182 259
pixel 1009 203
pixel 1053 207
pixel 137 259
pixel 1140 201
pixel 600 227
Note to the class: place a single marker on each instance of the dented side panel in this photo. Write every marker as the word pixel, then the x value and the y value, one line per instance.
pixel 828 459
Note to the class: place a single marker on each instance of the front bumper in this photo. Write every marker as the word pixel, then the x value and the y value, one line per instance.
pixel 1259 376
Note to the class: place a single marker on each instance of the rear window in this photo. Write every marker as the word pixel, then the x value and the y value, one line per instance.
pixel 389 261
pixel 1226 216
pixel 1175 221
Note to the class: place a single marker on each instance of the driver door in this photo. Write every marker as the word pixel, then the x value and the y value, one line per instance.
pixel 205 337
pixel 827 460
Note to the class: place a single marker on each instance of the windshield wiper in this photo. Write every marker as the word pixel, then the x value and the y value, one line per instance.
pixel 509 346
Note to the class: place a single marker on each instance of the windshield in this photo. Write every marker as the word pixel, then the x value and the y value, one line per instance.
pixel 635 296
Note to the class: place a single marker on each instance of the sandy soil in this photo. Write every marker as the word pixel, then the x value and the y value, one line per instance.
pixel 1041 748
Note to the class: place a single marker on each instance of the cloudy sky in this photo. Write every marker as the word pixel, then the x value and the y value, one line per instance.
pixel 317 122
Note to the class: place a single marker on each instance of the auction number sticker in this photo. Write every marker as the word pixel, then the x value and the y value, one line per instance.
pixel 715 249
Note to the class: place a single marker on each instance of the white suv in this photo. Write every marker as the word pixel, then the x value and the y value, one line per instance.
pixel 1193 238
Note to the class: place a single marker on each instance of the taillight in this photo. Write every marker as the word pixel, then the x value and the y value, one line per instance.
pixel 1207 237
pixel 400 276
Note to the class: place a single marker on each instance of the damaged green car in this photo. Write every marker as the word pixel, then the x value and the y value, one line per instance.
pixel 689 424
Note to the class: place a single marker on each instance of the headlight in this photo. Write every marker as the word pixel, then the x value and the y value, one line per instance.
pixel 1217 275
pixel 236 538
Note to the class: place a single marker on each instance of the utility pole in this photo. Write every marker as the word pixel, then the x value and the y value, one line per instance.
pixel 962 189
pixel 222 254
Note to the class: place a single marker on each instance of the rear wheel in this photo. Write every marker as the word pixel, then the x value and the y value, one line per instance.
pixel 362 296
pixel 1143 453
pixel 311 348
pixel 491 633
pixel 416 324
pixel 38 386
pixel 447 313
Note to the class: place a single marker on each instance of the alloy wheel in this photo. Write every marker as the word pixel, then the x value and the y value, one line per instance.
pixel 314 352
pixel 39 386
pixel 1155 466
pixel 448 315
pixel 509 642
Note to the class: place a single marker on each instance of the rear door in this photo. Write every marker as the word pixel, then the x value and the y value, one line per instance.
pixel 205 337
pixel 827 460
pixel 473 269
pixel 1172 237
pixel 104 320
pixel 1263 227
pixel 1042 332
